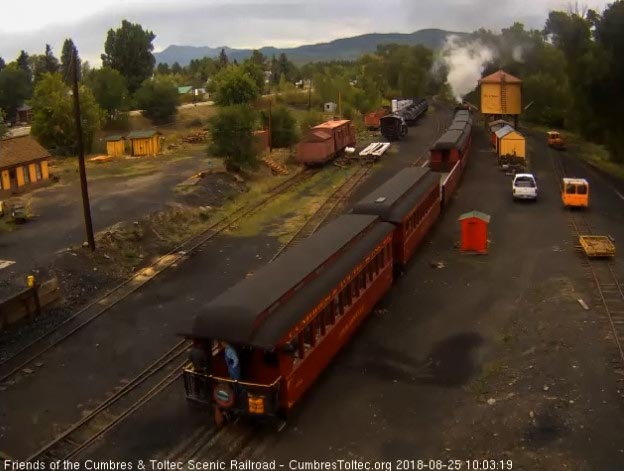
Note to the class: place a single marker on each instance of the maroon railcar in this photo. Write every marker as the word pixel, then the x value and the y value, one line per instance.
pixel 326 141
pixel 288 321
pixel 411 201
pixel 453 145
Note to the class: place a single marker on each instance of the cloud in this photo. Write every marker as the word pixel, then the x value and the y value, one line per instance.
pixel 249 23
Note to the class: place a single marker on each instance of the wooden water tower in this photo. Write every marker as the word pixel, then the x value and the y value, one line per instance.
pixel 501 97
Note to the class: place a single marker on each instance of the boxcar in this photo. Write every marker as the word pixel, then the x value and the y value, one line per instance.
pixel 284 324
pixel 325 141
pixel 411 201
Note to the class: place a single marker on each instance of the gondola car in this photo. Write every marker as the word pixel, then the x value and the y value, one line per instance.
pixel 285 323
pixel 411 201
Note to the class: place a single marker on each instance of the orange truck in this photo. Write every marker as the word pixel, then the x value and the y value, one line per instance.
pixel 575 192
pixel 555 140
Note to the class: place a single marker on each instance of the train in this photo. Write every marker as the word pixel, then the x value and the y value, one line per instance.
pixel 325 141
pixel 405 113
pixel 451 146
pixel 260 346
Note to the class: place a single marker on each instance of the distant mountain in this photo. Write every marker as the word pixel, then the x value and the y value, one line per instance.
pixel 339 49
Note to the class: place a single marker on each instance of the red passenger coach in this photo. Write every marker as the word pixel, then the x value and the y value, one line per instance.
pixel 411 201
pixel 453 145
pixel 280 328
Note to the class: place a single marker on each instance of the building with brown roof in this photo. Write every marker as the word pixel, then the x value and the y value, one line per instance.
pixel 23 165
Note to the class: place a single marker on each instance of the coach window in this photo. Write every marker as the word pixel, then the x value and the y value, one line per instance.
pixel 333 309
pixel 324 319
pixel 308 336
pixel 300 345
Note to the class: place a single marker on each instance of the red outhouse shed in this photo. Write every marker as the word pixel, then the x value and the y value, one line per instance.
pixel 474 231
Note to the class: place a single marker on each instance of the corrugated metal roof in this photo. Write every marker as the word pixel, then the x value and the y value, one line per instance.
pixel 20 150
pixel 142 134
pixel 500 76
pixel 475 214
pixel 184 90
pixel 115 137
pixel 502 132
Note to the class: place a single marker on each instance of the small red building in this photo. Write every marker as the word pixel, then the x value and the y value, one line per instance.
pixel 474 231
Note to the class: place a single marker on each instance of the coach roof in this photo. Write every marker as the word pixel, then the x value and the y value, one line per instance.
pixel 393 200
pixel 253 312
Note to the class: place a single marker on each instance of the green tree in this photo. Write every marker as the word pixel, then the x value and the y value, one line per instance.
pixel 15 87
pixel 158 99
pixel 2 64
pixel 129 51
pixel 163 68
pixel 176 68
pixel 51 63
pixel 66 59
pixel 233 138
pixel 40 64
pixel 258 58
pixel 109 88
pixel 283 126
pixel 3 127
pixel 255 72
pixel 223 59
pixel 232 86
pixel 53 121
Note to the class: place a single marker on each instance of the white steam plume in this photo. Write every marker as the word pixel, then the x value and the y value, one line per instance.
pixel 465 63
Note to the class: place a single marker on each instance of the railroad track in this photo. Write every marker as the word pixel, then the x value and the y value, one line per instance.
pixel 602 274
pixel 157 377
pixel 329 207
pixel 34 350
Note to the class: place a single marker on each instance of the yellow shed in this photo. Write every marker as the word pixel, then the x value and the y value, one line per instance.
pixel 501 94
pixel 510 142
pixel 115 146
pixel 144 143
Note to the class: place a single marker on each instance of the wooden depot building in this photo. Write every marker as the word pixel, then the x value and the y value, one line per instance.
pixel 23 165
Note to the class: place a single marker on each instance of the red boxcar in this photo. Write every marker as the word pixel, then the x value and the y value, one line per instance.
pixel 325 141
pixel 411 201
pixel 285 323
pixel 371 120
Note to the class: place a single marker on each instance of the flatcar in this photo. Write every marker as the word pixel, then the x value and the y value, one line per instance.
pixel 325 141
pixel 283 325
pixel 411 202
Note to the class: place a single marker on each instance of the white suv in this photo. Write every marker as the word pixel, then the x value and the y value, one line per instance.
pixel 524 186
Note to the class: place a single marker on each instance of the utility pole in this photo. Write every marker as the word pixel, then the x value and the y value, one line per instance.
pixel 81 162
pixel 339 105
pixel 309 94
pixel 270 127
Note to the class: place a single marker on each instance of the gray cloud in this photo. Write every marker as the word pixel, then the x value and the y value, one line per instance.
pixel 280 23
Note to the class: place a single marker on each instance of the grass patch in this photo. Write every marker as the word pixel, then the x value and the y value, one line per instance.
pixel 283 216
pixel 595 155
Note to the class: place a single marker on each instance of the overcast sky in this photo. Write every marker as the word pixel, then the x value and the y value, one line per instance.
pixel 29 25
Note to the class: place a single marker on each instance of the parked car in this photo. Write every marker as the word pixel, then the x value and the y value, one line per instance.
pixel 524 186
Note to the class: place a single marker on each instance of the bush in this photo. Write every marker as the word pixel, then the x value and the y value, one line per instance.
pixel 310 119
pixel 158 99
pixel 283 127
pixel 233 138
pixel 233 86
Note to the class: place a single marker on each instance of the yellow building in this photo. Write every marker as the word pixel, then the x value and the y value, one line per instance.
pixel 144 143
pixel 23 165
pixel 510 142
pixel 115 146
pixel 501 95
